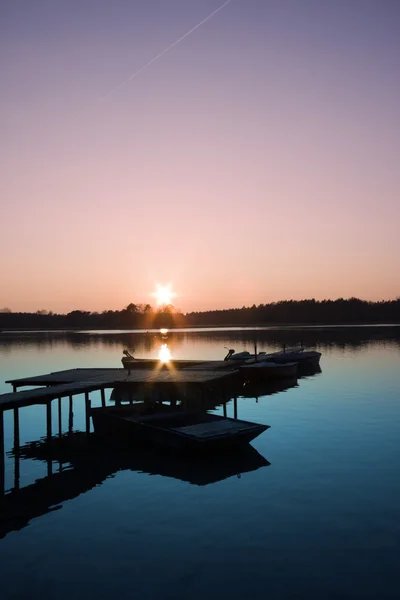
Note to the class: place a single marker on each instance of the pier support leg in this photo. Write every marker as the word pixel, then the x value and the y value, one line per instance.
pixel 224 407
pixel 235 407
pixel 103 397
pixel 87 413
pixel 59 419
pixel 48 422
pixel 70 416
pixel 16 449
pixel 1 453
pixel 48 438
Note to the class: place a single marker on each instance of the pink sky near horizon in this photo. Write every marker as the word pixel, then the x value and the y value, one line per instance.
pixel 256 161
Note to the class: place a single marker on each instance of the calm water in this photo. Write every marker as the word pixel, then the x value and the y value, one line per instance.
pixel 312 512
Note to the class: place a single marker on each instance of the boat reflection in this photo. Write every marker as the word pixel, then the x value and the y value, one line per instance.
pixel 257 389
pixel 84 463
pixel 309 370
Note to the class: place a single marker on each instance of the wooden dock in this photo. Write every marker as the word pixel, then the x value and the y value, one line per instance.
pixel 78 381
pixel 208 377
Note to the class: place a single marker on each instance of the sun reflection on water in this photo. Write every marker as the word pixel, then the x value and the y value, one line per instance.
pixel 164 354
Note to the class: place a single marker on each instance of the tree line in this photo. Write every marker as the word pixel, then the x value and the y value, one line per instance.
pixel 144 316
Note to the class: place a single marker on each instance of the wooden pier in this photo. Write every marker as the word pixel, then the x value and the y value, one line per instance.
pixel 209 377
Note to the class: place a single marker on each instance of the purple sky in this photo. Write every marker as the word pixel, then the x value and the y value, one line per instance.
pixel 255 161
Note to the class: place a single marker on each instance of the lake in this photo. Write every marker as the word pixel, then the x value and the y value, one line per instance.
pixel 312 510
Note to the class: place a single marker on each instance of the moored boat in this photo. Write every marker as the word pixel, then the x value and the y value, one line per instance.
pixel 242 356
pixel 167 426
pixel 302 357
pixel 264 369
pixel 129 362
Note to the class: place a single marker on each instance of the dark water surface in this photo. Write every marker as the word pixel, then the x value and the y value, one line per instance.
pixel 312 510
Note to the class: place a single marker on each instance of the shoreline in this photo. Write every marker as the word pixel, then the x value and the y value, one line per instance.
pixel 209 326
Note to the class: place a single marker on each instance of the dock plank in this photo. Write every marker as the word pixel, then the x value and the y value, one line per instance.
pixel 71 375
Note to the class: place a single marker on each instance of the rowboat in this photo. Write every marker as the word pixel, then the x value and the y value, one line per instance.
pixel 308 358
pixel 131 363
pixel 168 426
pixel 264 369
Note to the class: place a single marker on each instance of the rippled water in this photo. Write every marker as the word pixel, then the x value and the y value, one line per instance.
pixel 312 512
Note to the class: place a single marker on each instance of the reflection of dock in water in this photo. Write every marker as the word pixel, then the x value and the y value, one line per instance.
pixel 166 383
pixel 257 389
pixel 84 464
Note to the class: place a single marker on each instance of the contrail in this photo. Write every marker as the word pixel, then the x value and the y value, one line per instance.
pixel 167 49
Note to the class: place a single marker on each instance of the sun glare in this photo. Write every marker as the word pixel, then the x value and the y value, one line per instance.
pixel 164 294
pixel 164 354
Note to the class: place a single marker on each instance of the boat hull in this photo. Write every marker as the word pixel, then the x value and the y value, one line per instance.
pixel 154 363
pixel 265 371
pixel 174 428
pixel 306 358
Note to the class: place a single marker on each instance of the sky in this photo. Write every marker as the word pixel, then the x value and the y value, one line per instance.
pixel 253 161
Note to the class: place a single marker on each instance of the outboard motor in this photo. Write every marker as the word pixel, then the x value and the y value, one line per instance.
pixel 230 352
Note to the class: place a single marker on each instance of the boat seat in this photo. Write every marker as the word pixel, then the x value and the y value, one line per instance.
pixel 212 428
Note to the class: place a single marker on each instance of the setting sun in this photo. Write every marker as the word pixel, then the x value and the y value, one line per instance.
pixel 164 294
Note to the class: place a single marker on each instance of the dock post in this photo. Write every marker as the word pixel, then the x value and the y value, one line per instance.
pixel 235 407
pixel 59 419
pixel 87 413
pixel 103 397
pixel 48 422
pixel 48 438
pixel 14 387
pixel 224 407
pixel 16 428
pixel 16 449
pixel 70 415
pixel 1 453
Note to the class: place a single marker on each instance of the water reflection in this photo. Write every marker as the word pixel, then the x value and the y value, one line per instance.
pixel 269 338
pixel 335 468
pixel 267 388
pixel 82 462
pixel 164 354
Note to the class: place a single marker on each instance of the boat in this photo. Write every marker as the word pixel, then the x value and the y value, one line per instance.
pixel 264 369
pixel 306 358
pixel 242 356
pixel 172 427
pixel 129 362
pixel 299 355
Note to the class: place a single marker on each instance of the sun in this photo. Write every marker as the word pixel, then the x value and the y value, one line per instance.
pixel 164 294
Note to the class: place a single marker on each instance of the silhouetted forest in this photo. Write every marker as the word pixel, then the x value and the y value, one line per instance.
pixel 139 316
